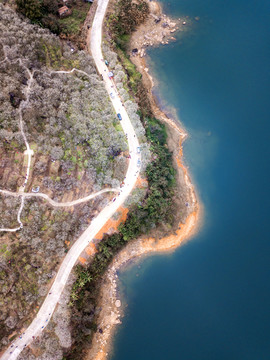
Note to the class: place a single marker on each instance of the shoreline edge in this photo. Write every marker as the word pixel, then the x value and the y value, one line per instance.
pixel 109 298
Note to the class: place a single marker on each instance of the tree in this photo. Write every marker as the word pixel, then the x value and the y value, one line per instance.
pixel 50 6
pixel 51 23
pixel 30 8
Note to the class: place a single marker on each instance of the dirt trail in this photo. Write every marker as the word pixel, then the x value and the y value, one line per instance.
pixel 55 203
pixel 28 152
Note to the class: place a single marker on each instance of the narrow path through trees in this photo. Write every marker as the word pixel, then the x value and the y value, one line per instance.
pixel 55 203
pixel 29 153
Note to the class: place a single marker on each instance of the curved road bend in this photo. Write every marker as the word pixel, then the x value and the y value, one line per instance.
pixel 43 316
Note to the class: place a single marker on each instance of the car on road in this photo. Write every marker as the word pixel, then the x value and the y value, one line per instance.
pixel 138 162
pixel 119 116
pixel 112 95
pixel 138 150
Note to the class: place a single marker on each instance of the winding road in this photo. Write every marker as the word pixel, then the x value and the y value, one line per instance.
pixel 43 316
pixel 55 203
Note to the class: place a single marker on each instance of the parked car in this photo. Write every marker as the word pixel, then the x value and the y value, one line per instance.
pixel 112 95
pixel 138 150
pixel 119 116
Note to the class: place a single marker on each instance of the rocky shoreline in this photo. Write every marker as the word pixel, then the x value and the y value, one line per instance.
pixel 153 33
pixel 157 29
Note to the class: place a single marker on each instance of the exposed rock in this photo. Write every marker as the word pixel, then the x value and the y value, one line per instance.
pixel 118 303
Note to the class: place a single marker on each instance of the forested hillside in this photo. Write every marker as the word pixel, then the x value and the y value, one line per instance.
pixel 78 146
pixel 68 116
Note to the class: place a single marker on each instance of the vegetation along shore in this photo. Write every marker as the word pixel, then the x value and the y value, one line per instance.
pixel 130 44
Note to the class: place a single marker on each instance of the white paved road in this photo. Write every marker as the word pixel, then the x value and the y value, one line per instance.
pixel 43 317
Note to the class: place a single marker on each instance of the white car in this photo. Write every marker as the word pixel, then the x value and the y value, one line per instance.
pixel 112 95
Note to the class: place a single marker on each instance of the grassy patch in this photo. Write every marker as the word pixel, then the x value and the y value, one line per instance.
pixel 53 55
pixel 118 127
pixel 71 25
pixel 46 16
pixel 133 75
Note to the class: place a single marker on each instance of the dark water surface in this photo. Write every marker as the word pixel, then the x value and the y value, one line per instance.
pixel 210 299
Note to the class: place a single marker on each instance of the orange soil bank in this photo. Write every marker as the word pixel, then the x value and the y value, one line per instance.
pixel 170 242
pixel 179 157
pixel 112 224
pixel 82 260
pixel 91 249
pixel 141 183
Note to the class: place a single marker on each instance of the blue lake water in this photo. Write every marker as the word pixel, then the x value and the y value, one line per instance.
pixel 211 298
